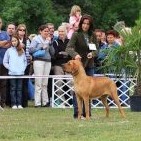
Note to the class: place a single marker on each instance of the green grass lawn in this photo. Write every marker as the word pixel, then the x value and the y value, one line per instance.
pixel 48 124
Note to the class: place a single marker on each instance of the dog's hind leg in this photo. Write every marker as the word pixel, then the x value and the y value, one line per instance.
pixel 120 108
pixel 104 101
pixel 116 100
pixel 80 102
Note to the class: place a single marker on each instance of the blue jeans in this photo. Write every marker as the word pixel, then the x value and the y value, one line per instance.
pixel 16 91
pixel 89 72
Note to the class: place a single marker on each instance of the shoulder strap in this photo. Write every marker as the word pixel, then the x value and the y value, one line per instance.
pixel 56 42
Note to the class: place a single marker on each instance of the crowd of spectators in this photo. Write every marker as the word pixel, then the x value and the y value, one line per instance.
pixel 57 45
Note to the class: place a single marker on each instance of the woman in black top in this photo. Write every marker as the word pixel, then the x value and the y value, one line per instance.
pixel 82 46
pixel 60 57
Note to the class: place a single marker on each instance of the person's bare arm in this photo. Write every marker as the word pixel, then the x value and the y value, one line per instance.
pixel 5 44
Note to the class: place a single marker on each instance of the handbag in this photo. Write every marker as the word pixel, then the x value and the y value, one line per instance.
pixel 39 53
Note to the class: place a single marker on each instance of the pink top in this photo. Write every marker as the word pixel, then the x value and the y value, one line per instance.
pixel 73 25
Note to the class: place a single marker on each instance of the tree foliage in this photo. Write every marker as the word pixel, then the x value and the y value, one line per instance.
pixel 34 13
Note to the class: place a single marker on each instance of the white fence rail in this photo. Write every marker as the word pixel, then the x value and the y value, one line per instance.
pixel 62 90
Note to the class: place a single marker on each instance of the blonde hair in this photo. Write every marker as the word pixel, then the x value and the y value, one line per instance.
pixel 67 25
pixel 62 27
pixel 74 9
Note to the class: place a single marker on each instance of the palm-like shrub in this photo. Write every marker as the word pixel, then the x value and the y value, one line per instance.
pixel 127 57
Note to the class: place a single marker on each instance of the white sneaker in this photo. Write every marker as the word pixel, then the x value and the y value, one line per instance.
pixel 20 107
pixel 14 107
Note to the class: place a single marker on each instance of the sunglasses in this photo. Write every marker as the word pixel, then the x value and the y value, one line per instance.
pixel 21 29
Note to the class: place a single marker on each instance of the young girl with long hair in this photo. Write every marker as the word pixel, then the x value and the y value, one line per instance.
pixel 15 61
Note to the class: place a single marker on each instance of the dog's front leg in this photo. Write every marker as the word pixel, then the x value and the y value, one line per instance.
pixel 80 102
pixel 86 103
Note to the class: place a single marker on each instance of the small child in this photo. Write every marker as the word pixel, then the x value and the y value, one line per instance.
pixel 15 61
pixel 75 16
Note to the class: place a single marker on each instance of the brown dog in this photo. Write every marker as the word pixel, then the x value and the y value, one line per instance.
pixel 87 87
